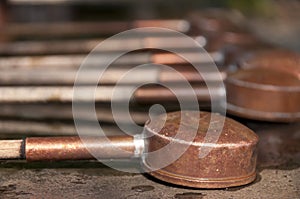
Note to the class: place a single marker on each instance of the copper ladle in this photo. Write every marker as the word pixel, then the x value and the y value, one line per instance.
pixel 267 87
pixel 231 161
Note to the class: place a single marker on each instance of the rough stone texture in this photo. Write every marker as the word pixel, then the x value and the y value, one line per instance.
pixel 93 183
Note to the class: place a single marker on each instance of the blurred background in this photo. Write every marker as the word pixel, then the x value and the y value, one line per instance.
pixel 275 21
pixel 43 42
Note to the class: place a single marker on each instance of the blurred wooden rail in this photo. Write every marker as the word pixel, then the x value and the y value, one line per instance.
pixel 99 60
pixel 50 111
pixel 19 128
pixel 86 45
pixel 15 30
pixel 34 94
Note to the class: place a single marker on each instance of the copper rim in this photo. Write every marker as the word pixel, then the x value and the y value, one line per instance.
pixel 203 182
pixel 264 93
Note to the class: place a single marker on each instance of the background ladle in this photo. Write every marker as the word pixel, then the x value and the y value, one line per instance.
pixel 266 87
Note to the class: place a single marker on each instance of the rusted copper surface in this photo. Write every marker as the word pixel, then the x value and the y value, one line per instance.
pixel 73 148
pixel 267 87
pixel 231 162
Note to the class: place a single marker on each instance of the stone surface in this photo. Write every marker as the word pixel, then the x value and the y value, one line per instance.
pixel 106 183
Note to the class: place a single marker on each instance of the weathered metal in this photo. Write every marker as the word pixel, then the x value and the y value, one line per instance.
pixel 231 161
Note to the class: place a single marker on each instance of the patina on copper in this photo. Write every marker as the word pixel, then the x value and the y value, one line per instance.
pixel 231 162
pixel 267 87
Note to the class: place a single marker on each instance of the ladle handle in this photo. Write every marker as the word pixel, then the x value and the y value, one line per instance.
pixel 71 148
